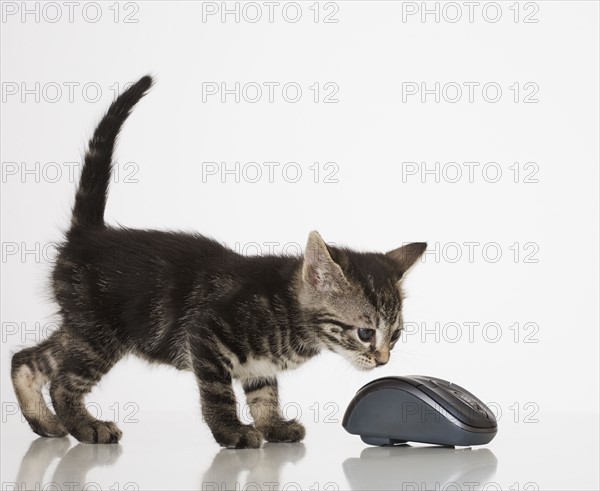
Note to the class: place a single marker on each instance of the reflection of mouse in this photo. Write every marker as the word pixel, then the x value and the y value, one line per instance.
pixel 422 467
pixel 419 409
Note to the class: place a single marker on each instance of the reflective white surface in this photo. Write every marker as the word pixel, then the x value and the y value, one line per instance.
pixel 175 451
pixel 370 133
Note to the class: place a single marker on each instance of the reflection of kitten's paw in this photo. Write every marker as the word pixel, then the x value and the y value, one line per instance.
pixel 245 436
pixel 285 431
pixel 97 432
pixel 48 448
pixel 88 456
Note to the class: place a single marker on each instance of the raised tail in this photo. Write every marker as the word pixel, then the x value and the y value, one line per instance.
pixel 90 199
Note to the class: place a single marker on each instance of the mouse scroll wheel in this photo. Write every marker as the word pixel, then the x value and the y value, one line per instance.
pixel 468 401
pixel 460 396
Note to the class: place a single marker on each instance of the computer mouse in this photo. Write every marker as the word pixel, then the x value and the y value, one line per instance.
pixel 419 408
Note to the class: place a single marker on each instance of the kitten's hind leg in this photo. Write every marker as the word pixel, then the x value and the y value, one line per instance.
pixel 80 370
pixel 32 368
pixel 219 408
pixel 262 396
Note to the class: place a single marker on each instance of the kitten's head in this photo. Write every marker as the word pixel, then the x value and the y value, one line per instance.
pixel 355 299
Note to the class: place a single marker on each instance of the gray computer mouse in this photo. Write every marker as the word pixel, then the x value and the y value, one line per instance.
pixel 419 408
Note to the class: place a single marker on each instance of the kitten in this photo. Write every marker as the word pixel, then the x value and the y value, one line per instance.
pixel 187 301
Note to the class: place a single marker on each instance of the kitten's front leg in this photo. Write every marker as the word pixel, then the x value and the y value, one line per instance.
pixel 219 405
pixel 263 399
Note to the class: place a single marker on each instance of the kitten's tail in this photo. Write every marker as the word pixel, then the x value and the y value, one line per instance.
pixel 90 199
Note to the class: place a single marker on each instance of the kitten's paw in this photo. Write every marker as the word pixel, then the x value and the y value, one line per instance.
pixel 97 432
pixel 246 436
pixel 285 431
pixel 49 426
pixel 250 438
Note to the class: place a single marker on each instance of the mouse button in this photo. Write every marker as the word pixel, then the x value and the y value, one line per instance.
pixel 414 380
pixel 462 390
pixel 386 381
pixel 418 380
pixel 439 381
pixel 473 401
pixel 466 395
pixel 459 408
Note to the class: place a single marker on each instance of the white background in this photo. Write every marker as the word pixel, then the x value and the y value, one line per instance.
pixel 541 376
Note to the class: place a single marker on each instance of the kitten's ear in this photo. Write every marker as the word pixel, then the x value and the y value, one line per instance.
pixel 319 270
pixel 407 255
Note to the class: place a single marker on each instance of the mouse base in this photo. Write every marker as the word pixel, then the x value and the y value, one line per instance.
pixel 380 441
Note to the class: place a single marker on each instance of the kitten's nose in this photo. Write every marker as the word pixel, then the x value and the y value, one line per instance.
pixel 382 357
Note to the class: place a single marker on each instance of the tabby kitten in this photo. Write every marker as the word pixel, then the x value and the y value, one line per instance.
pixel 188 301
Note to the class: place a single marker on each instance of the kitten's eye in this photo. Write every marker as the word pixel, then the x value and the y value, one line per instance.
pixel 396 335
pixel 366 334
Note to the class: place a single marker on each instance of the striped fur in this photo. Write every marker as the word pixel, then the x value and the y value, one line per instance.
pixel 188 301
